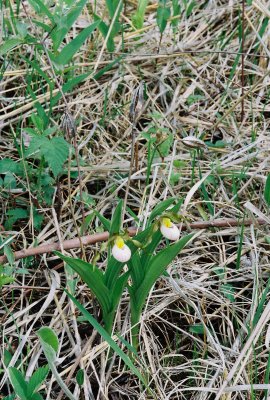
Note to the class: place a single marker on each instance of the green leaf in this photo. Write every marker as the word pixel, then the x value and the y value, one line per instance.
pixel 116 219
pixel 198 329
pixel 72 47
pixel 7 358
pixel 9 165
pixel 162 206
pixel 176 11
pixel 157 266
pixel 108 339
pixel 107 68
pixel 136 268
pixel 228 291
pixel 48 336
pixel 105 222
pixel 267 191
pixel 18 383
pixel 165 145
pixel 163 14
pixel 118 290
pixel 36 396
pixel 37 379
pixel 4 280
pixel 60 32
pixel 9 45
pixel 11 397
pixel 55 151
pixel 9 254
pixel 138 18
pixel 93 277
pixel 80 377
pixel 104 29
pixel 68 86
pixel 40 8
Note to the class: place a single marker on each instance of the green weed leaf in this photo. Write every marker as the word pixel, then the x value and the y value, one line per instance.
pixel 162 206
pixel 60 32
pixel 93 277
pixel 138 17
pixel 37 379
pixel 116 219
pixel 48 336
pixel 267 191
pixel 71 48
pixel 55 151
pixel 18 383
pixel 157 266
pixel 163 14
pixel 108 339
pixel 9 45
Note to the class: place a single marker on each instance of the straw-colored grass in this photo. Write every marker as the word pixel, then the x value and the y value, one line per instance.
pixel 204 327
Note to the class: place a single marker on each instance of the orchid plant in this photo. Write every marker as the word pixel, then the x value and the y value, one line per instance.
pixel 145 264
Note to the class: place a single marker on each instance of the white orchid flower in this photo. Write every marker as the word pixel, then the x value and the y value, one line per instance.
pixel 120 251
pixel 169 230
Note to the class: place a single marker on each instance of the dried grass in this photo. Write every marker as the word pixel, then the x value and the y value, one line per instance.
pixel 179 363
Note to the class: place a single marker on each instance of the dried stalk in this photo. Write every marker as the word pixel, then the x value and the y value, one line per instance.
pixel 102 237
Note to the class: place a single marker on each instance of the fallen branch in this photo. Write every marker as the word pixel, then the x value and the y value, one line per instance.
pixel 102 237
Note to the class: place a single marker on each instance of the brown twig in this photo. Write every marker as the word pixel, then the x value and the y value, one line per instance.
pixel 102 237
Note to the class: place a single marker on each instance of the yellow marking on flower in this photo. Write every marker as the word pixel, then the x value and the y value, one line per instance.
pixel 167 222
pixel 119 242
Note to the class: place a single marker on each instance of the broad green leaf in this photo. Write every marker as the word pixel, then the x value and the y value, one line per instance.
pixel 8 45
pixel 176 11
pixel 112 272
pixel 157 266
pixel 93 277
pixel 163 14
pixel 108 339
pixel 9 254
pixel 49 343
pixel 7 358
pixel 118 289
pixel 72 47
pixel 36 396
pixel 163 148
pixel 267 191
pixel 4 280
pixel 149 250
pixel 80 377
pixel 55 151
pixel 37 379
pixel 9 165
pixel 116 219
pixel 105 222
pixel 136 268
pixel 48 336
pixel 11 397
pixel 18 383
pixel 40 8
pixel 60 32
pixel 162 206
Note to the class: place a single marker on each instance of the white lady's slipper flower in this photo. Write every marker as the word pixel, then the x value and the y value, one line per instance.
pixel 169 230
pixel 120 251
